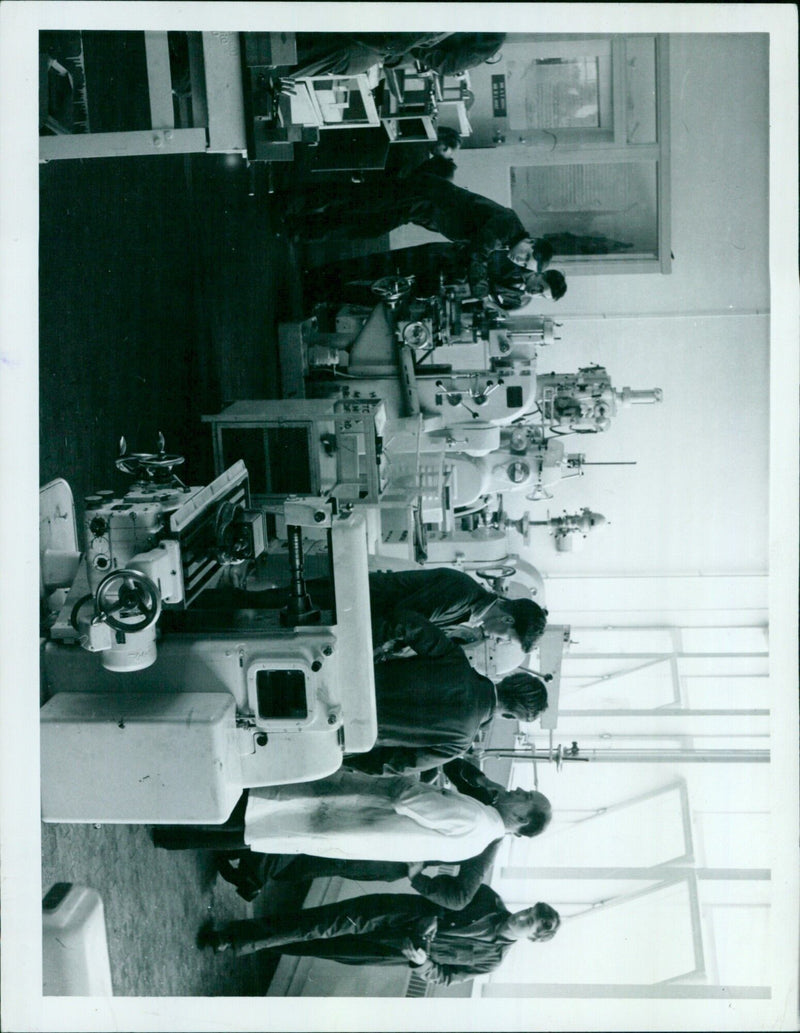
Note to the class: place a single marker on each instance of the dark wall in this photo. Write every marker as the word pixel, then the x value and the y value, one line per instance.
pixel 117 321
pixel 161 285
pixel 247 279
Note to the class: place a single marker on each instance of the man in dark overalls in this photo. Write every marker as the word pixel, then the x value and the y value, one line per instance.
pixel 425 198
pixel 440 945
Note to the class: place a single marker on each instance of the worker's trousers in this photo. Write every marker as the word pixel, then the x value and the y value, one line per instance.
pixel 374 927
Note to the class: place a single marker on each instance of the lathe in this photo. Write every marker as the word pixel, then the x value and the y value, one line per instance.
pixel 159 710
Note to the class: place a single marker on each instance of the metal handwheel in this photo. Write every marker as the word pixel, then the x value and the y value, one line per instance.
pixel 127 592
pixel 392 288
pixel 149 462
pixel 495 573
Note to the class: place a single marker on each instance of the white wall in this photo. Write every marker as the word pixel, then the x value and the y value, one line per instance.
pixel 702 600
pixel 697 499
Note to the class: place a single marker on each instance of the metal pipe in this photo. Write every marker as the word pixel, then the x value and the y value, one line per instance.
pixel 613 756
pixel 649 874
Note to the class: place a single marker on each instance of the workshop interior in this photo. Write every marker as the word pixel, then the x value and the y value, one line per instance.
pixel 220 414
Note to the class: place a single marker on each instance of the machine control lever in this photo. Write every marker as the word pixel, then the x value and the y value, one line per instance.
pixel 455 398
pixel 480 398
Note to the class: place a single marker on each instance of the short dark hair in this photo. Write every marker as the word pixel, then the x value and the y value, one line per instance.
pixel 547 914
pixel 448 137
pixel 557 282
pixel 523 693
pixel 540 815
pixel 530 620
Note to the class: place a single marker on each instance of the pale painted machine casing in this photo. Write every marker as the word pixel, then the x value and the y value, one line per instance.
pixel 438 394
pixel 483 547
pixel 75 959
pixel 127 757
pixel 178 741
pixel 491 396
pixel 477 476
pixel 517 339
pixel 121 528
pixel 475 439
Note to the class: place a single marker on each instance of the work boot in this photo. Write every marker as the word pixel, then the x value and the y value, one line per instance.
pixel 252 872
pixel 209 937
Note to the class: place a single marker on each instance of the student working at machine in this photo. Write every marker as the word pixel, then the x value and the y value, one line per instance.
pixel 450 599
pixel 426 197
pixel 510 277
pixel 431 706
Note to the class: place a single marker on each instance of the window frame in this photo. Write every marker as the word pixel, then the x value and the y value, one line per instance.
pixel 603 146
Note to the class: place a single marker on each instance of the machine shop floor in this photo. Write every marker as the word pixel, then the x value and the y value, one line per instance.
pixel 154 902
pixel 162 284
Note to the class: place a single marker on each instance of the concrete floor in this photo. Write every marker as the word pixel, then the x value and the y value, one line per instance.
pixel 154 902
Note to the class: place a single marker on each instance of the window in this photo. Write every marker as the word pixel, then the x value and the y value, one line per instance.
pixel 591 114
pixel 591 211
pixel 561 85
pixel 615 942
pixel 658 854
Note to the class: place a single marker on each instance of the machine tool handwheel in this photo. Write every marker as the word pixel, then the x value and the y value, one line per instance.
pixel 76 609
pixel 134 592
pixel 130 463
pixel 161 461
pixel 136 461
pixel 392 288
pixel 150 462
pixel 496 573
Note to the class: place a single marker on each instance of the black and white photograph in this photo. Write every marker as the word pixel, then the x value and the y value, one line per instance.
pixel 406 398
